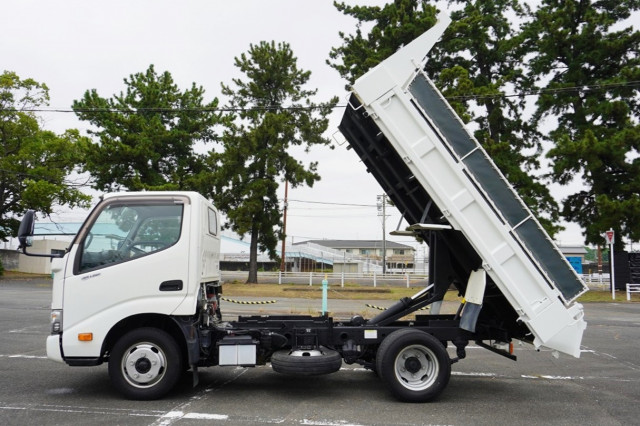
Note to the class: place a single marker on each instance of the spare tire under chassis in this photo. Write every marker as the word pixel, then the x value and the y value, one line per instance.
pixel 310 362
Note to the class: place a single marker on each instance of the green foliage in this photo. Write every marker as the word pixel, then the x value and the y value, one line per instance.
pixel 592 254
pixel 145 136
pixel 34 163
pixel 479 59
pixel 589 73
pixel 483 50
pixel 275 114
pixel 394 25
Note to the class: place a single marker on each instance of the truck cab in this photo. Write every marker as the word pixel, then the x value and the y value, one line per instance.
pixel 139 258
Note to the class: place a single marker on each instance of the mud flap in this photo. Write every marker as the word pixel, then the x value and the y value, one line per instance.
pixel 473 300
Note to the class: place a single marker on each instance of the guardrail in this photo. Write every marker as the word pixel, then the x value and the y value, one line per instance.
pixel 632 288
pixel 597 281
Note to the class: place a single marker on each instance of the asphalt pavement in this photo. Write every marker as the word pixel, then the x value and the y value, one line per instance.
pixel 602 387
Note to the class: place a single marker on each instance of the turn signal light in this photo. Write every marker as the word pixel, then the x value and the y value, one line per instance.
pixel 85 337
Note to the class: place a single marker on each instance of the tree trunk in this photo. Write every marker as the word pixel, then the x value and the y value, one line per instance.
pixel 253 256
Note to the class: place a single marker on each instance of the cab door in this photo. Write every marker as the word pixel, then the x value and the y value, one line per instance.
pixel 131 258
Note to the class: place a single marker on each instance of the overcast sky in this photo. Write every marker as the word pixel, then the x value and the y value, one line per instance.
pixel 73 46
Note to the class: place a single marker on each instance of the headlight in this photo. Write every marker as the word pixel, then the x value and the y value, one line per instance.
pixel 56 322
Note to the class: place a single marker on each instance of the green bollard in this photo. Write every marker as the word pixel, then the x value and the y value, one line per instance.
pixel 325 286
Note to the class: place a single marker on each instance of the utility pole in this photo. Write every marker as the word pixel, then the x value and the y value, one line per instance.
pixel 283 262
pixel 382 207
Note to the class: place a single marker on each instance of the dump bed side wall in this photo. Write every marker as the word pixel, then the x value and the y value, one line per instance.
pixel 508 206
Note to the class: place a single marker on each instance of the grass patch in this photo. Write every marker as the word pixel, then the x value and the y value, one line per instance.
pixel 312 292
pixel 353 292
pixel 15 275
pixel 598 296
pixel 357 292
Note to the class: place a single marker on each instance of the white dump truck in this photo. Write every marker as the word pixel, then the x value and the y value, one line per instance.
pixel 139 286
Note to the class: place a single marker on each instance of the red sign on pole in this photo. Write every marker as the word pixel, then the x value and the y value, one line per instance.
pixel 609 236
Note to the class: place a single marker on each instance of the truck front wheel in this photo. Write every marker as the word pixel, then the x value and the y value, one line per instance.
pixel 145 364
pixel 414 365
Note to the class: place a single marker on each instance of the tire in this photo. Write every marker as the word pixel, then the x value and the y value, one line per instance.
pixel 145 364
pixel 306 363
pixel 414 365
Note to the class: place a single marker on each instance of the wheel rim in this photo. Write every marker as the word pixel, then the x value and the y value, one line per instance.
pixel 416 367
pixel 307 353
pixel 143 365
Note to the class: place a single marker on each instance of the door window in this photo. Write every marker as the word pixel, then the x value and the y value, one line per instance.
pixel 122 232
pixel 213 222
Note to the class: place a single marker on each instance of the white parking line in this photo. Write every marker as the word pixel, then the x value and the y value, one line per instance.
pixel 544 376
pixel 328 423
pixel 24 356
pixel 473 374
pixel 631 365
pixel 179 412
pixel 172 416
pixel 80 410
pixel 522 376
pixel 32 329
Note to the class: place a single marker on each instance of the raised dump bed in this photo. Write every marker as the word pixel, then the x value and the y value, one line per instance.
pixel 440 177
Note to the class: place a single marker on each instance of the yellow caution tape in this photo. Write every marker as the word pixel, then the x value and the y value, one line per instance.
pixel 384 309
pixel 375 307
pixel 244 302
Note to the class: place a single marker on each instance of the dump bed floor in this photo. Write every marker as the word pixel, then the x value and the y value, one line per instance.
pixel 435 171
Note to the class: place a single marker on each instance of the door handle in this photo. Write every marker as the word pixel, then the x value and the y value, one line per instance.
pixel 171 285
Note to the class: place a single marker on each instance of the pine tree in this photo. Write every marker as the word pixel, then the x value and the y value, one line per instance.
pixel 589 73
pixel 146 136
pixel 275 113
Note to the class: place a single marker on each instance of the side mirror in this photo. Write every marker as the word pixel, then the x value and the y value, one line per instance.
pixel 25 232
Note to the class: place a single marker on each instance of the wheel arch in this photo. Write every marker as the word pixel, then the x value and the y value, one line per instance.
pixel 166 323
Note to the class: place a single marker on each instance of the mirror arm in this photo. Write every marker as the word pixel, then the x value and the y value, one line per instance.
pixel 51 255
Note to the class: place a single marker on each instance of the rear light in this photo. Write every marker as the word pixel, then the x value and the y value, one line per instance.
pixel 56 322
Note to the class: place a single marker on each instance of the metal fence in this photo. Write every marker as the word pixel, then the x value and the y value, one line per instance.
pixel 339 278
pixel 374 279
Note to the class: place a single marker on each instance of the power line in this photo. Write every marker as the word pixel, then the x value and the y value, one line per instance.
pixel 591 88
pixel 332 216
pixel 171 109
pixel 332 203
pixel 583 88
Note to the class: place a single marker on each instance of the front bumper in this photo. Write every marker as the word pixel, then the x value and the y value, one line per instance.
pixel 53 348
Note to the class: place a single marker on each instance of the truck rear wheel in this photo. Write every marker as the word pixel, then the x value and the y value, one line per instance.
pixel 414 365
pixel 306 362
pixel 145 364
